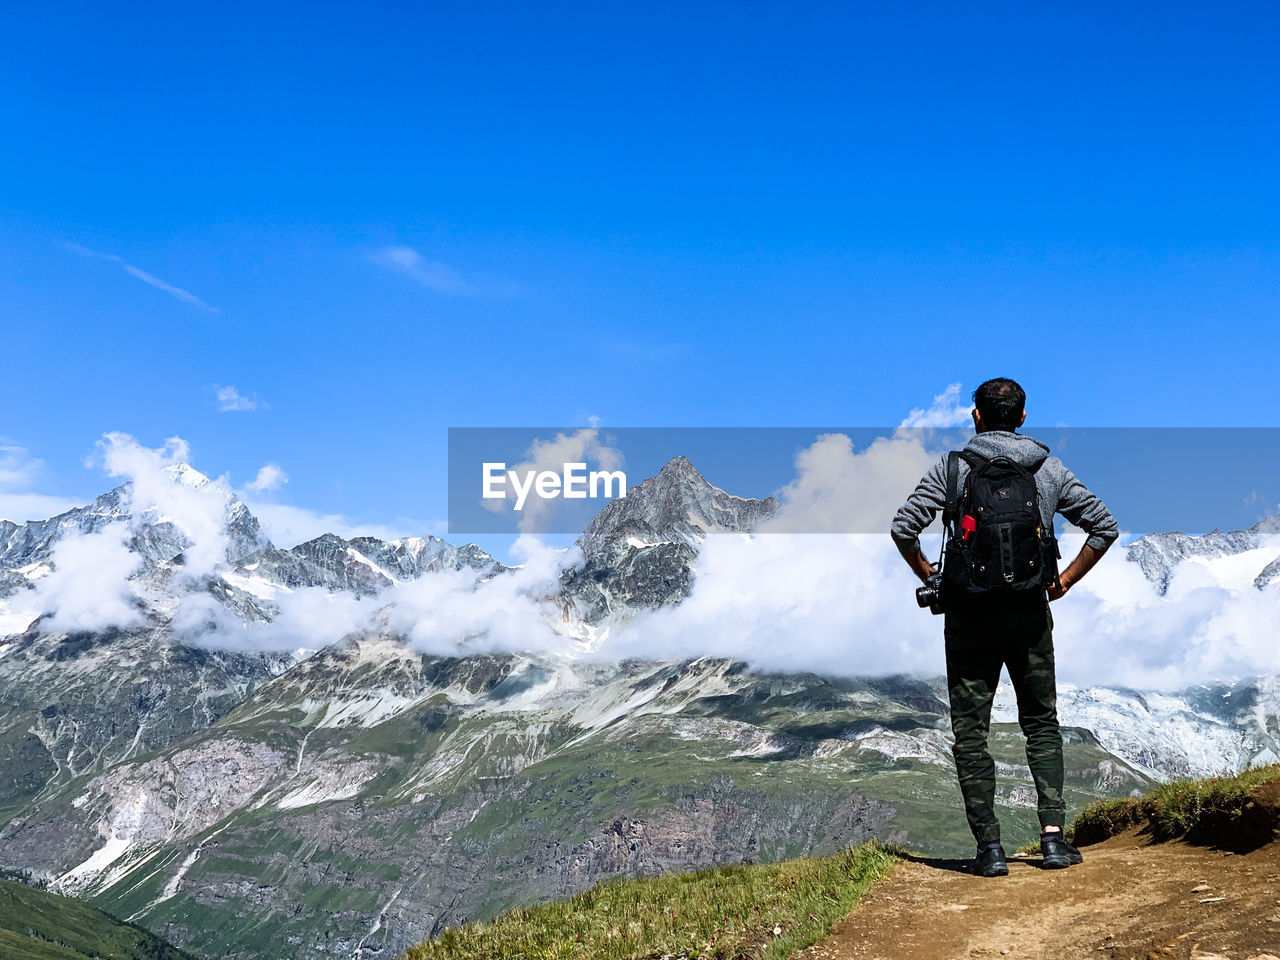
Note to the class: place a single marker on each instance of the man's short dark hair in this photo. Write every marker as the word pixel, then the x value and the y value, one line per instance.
pixel 1001 402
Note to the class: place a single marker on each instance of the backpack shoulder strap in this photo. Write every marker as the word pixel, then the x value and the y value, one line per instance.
pixel 953 481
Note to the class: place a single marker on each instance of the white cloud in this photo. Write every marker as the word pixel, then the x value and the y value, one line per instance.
pixel 230 400
pixel 88 588
pixel 456 612
pixel 453 612
pixel 21 507
pixel 947 410
pixel 148 278
pixel 270 477
pixel 308 618
pixel 1211 623
pixel 17 467
pixel 844 604
pixel 441 277
pixel 838 489
pixel 833 603
pixel 838 604
pixel 166 488
pixel 18 503
pixel 288 526
pixel 433 275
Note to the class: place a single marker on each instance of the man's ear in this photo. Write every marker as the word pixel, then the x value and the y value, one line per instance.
pixel 977 420
pixel 1024 418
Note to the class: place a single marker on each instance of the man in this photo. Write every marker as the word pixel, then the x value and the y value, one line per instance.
pixel 985 631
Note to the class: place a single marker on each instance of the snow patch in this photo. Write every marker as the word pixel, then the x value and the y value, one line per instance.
pixel 366 711
pixel 360 558
pixel 260 587
pixel 319 792
pixel 120 839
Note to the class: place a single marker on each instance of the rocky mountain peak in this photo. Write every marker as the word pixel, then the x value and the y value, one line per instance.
pixel 158 532
pixel 680 467
pixel 639 550
pixel 679 505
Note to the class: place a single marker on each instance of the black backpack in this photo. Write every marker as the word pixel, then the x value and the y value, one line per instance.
pixel 995 540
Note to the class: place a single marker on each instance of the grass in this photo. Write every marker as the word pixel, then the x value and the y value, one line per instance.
pixel 1177 809
pixel 36 925
pixel 756 911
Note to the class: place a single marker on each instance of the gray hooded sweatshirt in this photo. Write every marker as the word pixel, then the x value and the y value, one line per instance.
pixel 1060 492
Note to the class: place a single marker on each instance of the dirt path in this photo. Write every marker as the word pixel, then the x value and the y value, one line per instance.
pixel 1129 900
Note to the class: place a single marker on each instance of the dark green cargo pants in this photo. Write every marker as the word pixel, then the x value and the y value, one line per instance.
pixel 981 637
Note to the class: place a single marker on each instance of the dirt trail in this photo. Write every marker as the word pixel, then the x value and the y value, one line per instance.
pixel 1129 900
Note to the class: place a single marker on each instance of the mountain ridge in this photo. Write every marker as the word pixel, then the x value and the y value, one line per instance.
pixel 1159 554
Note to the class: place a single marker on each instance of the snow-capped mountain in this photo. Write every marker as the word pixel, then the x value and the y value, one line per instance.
pixel 156 538
pixel 364 566
pixel 247 570
pixel 1158 554
pixel 76 701
pixel 1203 731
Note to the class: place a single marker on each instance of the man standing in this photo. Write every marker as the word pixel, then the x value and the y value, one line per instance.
pixel 1000 573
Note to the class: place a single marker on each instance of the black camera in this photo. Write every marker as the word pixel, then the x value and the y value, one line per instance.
pixel 930 595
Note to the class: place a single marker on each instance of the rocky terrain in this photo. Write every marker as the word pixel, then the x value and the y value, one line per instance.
pixel 351 800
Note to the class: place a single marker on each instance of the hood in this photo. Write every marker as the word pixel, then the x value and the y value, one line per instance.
pixel 1004 443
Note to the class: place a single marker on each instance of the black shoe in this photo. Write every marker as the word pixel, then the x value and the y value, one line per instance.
pixel 991 862
pixel 1057 852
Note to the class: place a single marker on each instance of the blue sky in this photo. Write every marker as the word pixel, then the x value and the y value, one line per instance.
pixel 376 224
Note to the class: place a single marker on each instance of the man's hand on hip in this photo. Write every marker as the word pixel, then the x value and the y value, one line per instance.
pixel 920 565
pixel 1082 564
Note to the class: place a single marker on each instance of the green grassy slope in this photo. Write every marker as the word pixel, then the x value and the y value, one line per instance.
pixel 765 911
pixel 1240 812
pixel 35 925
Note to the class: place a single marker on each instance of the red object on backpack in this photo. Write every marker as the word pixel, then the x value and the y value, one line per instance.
pixel 968 524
